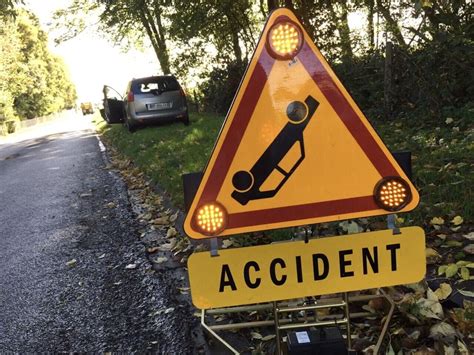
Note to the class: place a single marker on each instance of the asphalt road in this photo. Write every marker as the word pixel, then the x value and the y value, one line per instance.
pixel 55 196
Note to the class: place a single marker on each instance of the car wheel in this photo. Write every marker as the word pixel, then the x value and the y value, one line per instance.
pixel 185 120
pixel 130 127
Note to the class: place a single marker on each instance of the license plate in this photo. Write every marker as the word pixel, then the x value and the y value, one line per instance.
pixel 159 106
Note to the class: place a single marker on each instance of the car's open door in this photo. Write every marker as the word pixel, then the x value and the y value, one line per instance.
pixel 114 109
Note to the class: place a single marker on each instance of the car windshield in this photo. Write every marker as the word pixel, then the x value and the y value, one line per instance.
pixel 155 85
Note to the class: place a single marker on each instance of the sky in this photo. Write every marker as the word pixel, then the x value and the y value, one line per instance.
pixel 92 60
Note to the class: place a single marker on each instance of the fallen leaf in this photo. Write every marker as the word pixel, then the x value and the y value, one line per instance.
pixel 462 348
pixel 131 266
pixel 111 205
pixel 432 256
pixel 167 246
pixel 102 256
pixel 443 291
pixel 451 270
pixel 71 263
pixel 350 227
pixel 442 269
pixel 227 243
pixel 414 335
pixel 183 290
pixel 160 220
pixel 400 220
pixel 256 335
pixel 152 250
pixel 437 221
pixel 453 244
pixel 418 287
pixel 160 260
pixel 169 310
pixel 469 236
pixel 466 293
pixel 457 220
pixel 469 249
pixel 425 351
pixel 449 350
pixel 449 120
pixel 171 232
pixel 430 308
pixel 465 273
pixel 174 217
pixel 431 296
pixel 442 330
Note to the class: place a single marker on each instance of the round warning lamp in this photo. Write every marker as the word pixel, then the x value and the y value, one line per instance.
pixel 284 39
pixel 392 193
pixel 211 218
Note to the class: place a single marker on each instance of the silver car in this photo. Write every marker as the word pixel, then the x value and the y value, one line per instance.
pixel 147 100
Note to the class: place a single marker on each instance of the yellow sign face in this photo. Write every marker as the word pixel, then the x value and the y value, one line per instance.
pixel 295 269
pixel 294 149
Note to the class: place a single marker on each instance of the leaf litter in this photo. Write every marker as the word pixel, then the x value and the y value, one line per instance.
pixel 425 321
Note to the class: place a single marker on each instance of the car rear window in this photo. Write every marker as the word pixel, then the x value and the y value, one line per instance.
pixel 151 85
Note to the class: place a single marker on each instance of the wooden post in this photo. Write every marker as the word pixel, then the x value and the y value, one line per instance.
pixel 388 102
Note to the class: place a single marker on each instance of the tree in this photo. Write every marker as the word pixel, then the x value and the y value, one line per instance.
pixel 33 82
pixel 7 7
pixel 122 20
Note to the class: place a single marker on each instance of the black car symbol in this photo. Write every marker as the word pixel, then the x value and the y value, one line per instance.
pixel 247 184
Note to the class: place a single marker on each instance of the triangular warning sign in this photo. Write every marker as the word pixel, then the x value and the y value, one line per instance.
pixel 294 149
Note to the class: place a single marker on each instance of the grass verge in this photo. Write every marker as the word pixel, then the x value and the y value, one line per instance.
pixel 442 157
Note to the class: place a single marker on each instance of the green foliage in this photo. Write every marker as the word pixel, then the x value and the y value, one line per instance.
pixel 174 148
pixel 219 90
pixel 33 82
pixel 442 158
pixel 7 7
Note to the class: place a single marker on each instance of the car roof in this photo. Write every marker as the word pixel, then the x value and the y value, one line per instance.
pixel 153 77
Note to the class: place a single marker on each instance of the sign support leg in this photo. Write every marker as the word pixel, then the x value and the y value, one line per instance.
pixel 214 247
pixel 391 219
pixel 348 318
pixel 277 329
pixel 214 334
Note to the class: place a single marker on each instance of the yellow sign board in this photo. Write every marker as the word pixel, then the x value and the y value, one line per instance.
pixel 296 269
pixel 294 149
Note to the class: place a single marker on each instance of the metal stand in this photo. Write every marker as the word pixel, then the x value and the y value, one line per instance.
pixel 299 322
pixel 287 323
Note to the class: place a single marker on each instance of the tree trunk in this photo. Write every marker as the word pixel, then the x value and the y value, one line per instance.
pixel 235 39
pixel 157 31
pixel 370 24
pixel 392 25
pixel 160 50
pixel 344 31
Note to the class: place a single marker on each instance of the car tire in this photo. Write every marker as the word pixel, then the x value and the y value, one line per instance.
pixel 185 120
pixel 130 127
